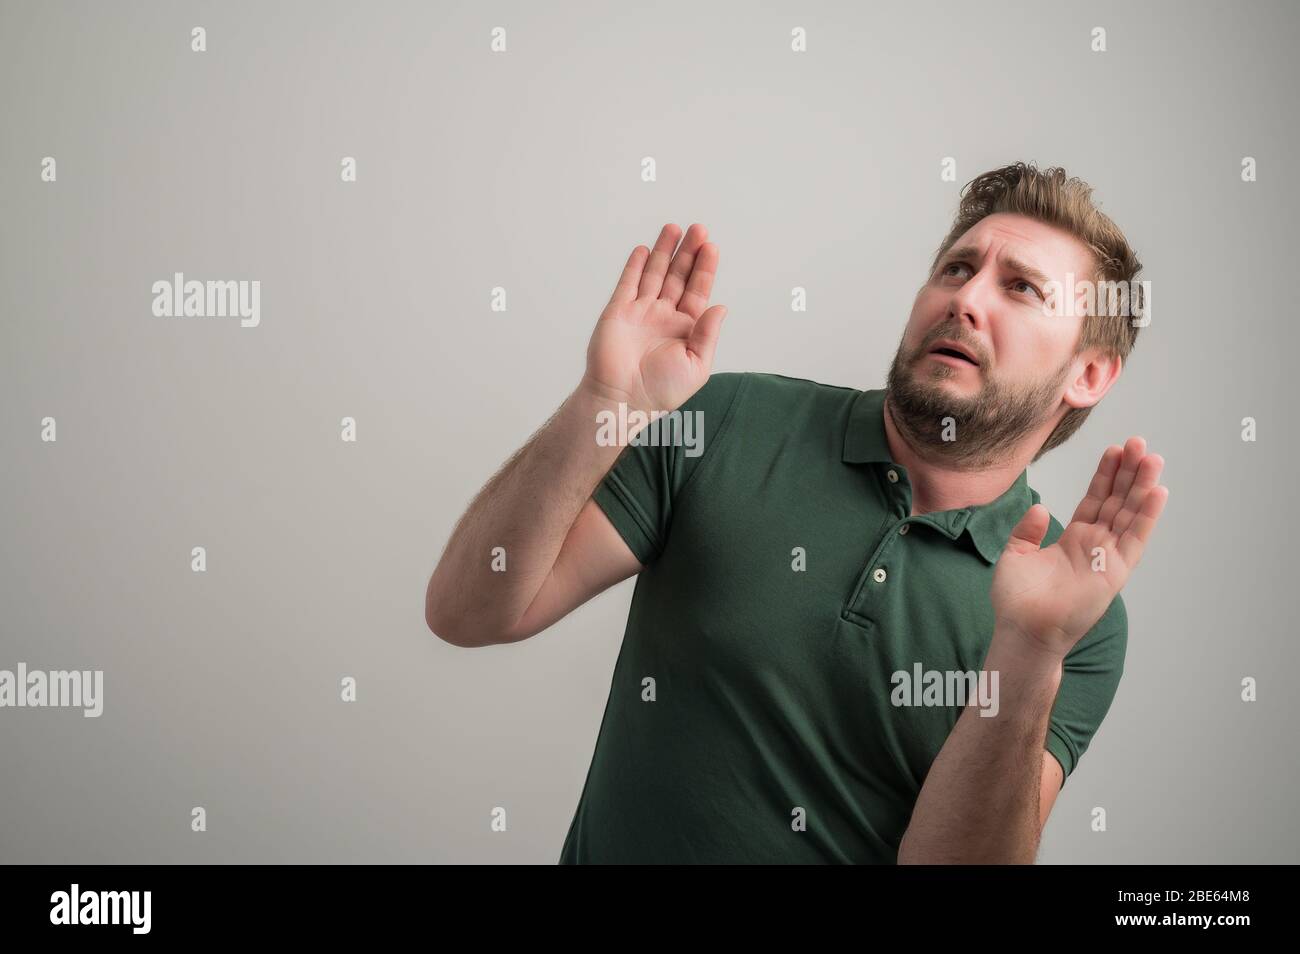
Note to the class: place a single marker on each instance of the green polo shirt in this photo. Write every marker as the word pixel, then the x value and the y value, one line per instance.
pixel 751 714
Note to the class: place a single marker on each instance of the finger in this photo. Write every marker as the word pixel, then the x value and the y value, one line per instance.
pixel 1033 525
pixel 1134 450
pixel 1099 488
pixel 652 279
pixel 1134 539
pixel 704 336
pixel 1147 478
pixel 625 290
pixel 700 284
pixel 680 269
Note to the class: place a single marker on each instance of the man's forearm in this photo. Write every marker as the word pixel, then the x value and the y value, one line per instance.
pixel 526 509
pixel 979 803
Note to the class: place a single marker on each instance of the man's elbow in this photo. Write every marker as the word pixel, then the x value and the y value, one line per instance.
pixel 470 627
pixel 456 636
pixel 455 633
pixel 449 627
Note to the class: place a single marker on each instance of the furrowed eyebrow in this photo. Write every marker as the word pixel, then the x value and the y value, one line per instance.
pixel 1025 269
pixel 967 252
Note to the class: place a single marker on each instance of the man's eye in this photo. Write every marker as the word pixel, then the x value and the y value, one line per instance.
pixel 952 265
pixel 1029 287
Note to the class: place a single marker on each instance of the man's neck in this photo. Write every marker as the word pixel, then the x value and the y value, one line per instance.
pixel 936 486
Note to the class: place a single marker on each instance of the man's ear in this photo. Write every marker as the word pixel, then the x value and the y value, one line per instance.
pixel 1093 374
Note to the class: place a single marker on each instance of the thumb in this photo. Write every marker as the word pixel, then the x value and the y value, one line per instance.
pixel 1032 526
pixel 704 336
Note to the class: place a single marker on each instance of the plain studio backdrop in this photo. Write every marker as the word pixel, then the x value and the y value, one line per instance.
pixel 522 170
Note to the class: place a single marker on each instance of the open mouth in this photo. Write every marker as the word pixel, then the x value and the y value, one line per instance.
pixel 953 353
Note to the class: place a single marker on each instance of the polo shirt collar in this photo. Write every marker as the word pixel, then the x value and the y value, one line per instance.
pixel 989 525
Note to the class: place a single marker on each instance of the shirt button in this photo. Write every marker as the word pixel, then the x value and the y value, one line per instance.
pixel 892 475
pixel 879 575
pixel 903 528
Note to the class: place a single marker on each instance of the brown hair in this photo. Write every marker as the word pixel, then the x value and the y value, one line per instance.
pixel 1050 196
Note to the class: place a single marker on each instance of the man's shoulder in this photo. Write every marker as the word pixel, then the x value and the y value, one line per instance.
pixel 767 391
pixel 778 415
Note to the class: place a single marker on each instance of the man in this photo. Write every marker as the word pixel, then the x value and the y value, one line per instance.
pixel 809 567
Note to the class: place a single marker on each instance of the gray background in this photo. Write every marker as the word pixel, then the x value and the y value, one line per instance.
pixel 522 170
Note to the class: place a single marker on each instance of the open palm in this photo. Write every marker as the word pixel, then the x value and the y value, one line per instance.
pixel 1054 595
pixel 654 343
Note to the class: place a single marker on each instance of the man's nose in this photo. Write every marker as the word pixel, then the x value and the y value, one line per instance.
pixel 972 303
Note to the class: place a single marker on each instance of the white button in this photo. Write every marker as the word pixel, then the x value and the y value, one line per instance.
pixel 903 528
pixel 879 575
pixel 892 475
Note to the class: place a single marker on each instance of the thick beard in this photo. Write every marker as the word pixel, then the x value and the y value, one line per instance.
pixel 987 427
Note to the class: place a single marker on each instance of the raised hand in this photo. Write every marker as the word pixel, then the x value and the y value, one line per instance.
pixel 1052 596
pixel 653 345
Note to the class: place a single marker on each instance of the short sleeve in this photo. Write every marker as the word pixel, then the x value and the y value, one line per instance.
pixel 1090 676
pixel 657 468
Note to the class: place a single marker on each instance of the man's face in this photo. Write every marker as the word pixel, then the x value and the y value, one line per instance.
pixel 986 296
